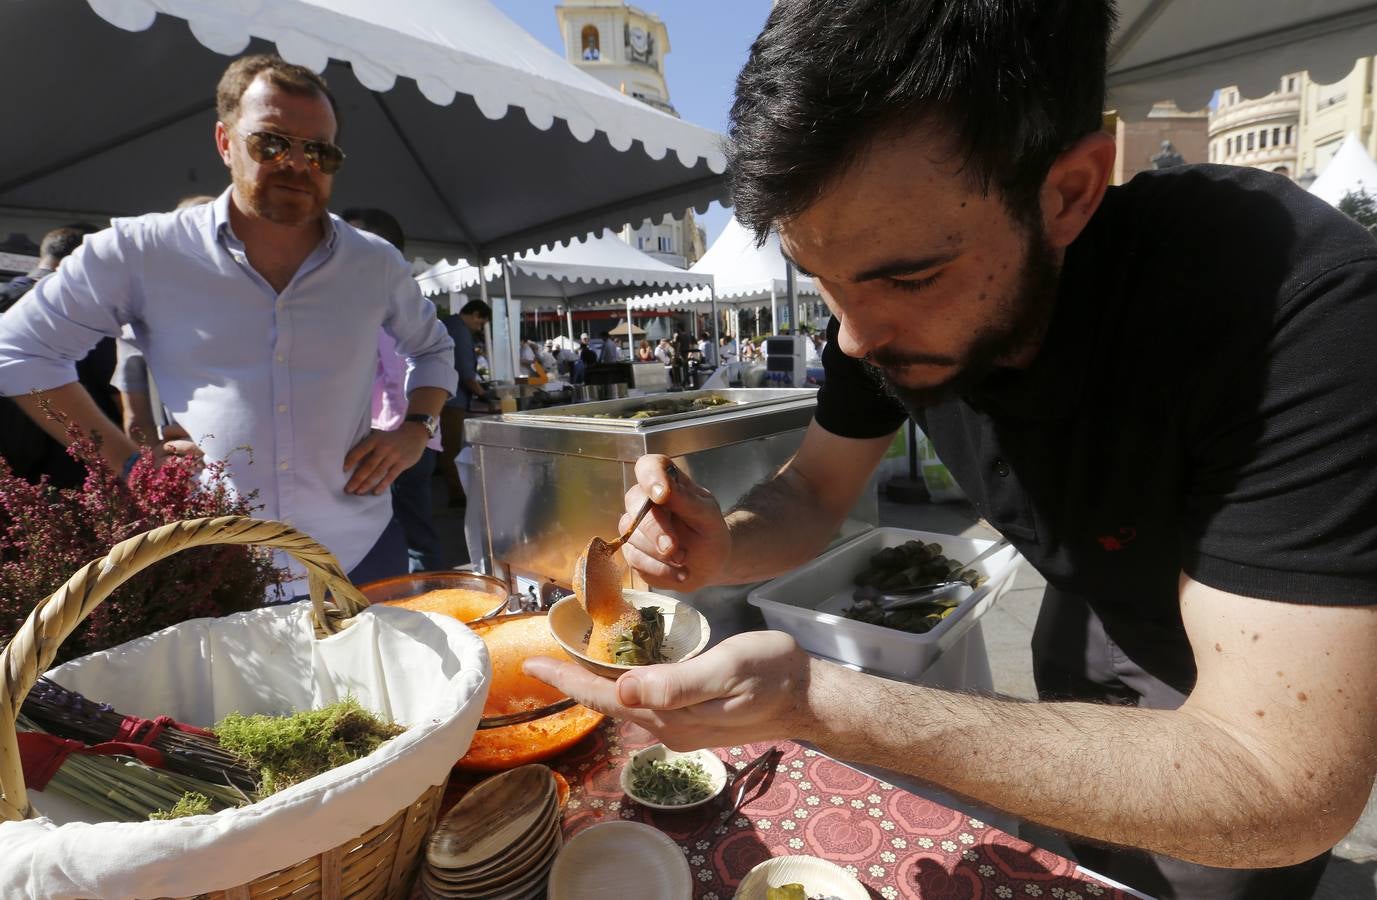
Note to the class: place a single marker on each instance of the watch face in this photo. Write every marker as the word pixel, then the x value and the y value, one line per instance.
pixel 638 39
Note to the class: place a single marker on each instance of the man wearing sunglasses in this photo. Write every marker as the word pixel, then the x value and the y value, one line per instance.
pixel 258 315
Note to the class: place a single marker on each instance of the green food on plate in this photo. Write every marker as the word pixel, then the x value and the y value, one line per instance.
pixel 676 782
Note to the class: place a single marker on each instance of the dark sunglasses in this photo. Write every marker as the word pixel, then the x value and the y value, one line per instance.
pixel 269 147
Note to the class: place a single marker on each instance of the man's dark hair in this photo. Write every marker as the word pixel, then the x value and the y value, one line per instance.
pixel 283 75
pixel 477 308
pixel 377 221
pixel 1012 83
pixel 59 243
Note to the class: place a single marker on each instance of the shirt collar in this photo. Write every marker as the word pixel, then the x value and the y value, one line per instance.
pixel 220 224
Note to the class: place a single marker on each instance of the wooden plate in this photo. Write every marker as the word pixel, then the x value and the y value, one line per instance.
pixel 522 851
pixel 490 818
pixel 686 630
pixel 620 859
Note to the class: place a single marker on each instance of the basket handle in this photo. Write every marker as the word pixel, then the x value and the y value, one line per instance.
pixel 35 645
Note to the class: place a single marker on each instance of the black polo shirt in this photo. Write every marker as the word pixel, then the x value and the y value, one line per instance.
pixel 1205 401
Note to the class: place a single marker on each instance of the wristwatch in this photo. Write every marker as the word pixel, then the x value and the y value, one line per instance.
pixel 432 423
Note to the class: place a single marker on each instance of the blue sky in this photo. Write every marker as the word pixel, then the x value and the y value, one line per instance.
pixel 708 42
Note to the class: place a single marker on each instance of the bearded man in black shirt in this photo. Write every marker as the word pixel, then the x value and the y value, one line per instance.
pixel 1162 393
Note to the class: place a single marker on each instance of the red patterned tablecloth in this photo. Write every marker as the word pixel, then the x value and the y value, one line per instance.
pixel 897 844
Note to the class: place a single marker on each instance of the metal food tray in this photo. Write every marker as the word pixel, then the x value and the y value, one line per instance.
pixel 586 414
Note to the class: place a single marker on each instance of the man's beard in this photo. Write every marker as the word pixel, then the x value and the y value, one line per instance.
pixel 1025 316
pixel 290 209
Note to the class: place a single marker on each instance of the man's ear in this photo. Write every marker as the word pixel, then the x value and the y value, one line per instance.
pixel 222 142
pixel 1074 187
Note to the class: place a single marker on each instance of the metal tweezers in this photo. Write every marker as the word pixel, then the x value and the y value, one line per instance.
pixel 746 780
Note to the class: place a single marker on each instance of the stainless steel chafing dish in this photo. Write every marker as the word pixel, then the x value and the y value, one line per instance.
pixel 550 479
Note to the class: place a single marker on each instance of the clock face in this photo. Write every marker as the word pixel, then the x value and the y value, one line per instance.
pixel 638 37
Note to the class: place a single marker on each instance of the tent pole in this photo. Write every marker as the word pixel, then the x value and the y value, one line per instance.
pixel 488 344
pixel 629 336
pixel 791 290
pixel 716 338
pixel 513 328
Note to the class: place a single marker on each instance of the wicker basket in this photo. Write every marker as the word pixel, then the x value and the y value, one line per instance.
pixel 380 863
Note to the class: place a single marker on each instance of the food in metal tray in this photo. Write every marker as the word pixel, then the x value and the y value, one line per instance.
pixel 668 407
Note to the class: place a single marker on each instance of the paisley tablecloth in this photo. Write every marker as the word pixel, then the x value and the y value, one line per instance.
pixel 897 844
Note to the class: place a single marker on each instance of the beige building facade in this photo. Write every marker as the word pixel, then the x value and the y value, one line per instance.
pixel 1330 112
pixel 1263 133
pixel 624 47
pixel 1297 129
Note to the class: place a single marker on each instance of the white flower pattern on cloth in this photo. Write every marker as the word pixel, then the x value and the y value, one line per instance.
pixel 892 841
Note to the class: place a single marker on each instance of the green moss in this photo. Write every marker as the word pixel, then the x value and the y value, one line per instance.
pixel 191 804
pixel 291 749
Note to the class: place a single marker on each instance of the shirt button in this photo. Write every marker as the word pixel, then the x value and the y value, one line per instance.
pixel 281 407
pixel 1002 468
pixel 282 465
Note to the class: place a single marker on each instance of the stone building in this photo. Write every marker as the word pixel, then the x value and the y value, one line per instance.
pixel 624 47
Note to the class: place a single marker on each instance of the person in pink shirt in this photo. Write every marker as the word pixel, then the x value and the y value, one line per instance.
pixel 411 500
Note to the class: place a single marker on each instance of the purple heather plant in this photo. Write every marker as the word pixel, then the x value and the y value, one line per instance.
pixel 46 534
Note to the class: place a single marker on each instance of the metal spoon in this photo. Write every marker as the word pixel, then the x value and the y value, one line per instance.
pixel 600 552
pixel 605 571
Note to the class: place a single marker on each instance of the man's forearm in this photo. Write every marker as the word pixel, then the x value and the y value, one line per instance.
pixel 426 401
pixel 776 527
pixel 72 404
pixel 1172 782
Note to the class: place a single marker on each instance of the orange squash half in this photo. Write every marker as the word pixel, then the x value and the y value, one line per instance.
pixel 510 640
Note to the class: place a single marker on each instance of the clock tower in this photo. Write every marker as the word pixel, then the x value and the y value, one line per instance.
pixel 624 47
pixel 621 45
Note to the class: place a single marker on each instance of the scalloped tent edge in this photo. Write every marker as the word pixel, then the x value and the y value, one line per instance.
pixel 1184 50
pixel 743 271
pixel 578 275
pixel 447 47
pixel 461 182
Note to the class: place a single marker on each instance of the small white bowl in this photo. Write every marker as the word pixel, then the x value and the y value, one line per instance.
pixel 686 631
pixel 818 877
pixel 716 772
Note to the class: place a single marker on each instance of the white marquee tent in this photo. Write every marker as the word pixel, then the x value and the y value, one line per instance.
pixel 1183 50
pixel 579 275
pixel 476 136
pixel 1351 169
pixel 743 275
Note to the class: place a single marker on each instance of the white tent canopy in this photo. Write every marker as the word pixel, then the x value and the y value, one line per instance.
pixel 743 273
pixel 457 121
pixel 1183 50
pixel 580 274
pixel 1351 169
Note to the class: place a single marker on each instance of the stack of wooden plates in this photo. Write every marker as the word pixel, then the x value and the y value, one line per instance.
pixel 498 841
